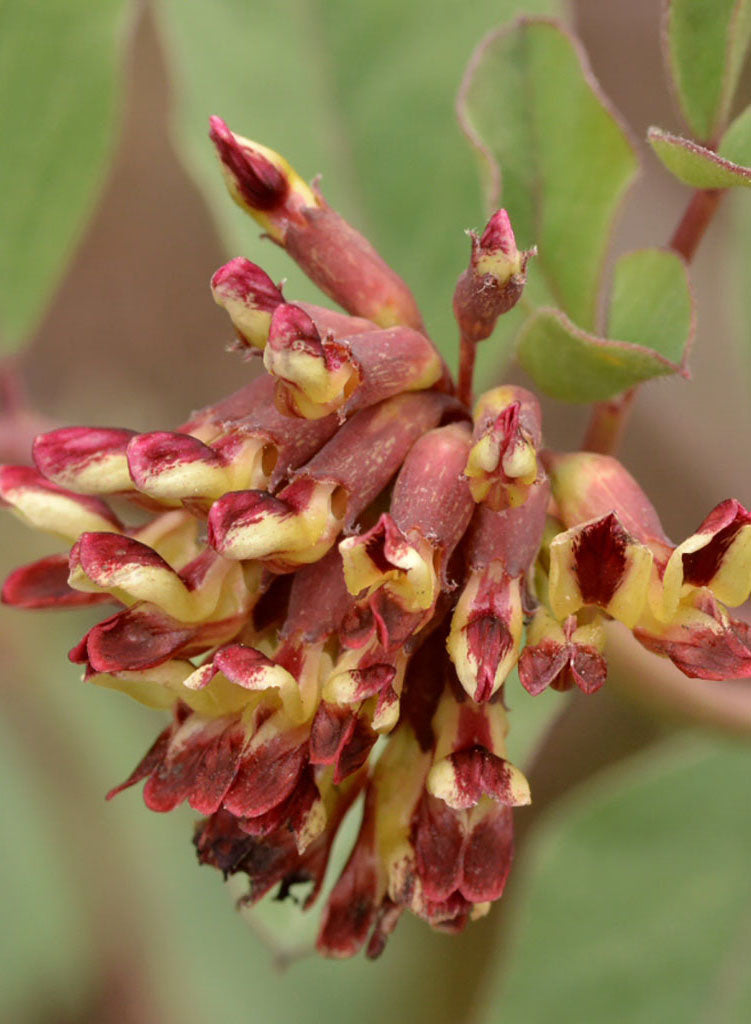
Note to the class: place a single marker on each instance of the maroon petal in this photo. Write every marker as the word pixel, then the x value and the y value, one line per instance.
pixel 134 639
pixel 540 665
pixel 217 769
pixel 44 584
pixel 487 856
pixel 438 840
pixel 149 763
pixel 266 777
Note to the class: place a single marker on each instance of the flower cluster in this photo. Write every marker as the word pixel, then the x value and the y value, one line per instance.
pixel 342 552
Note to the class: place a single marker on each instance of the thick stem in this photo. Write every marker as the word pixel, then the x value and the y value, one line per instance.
pixel 608 419
pixel 467 350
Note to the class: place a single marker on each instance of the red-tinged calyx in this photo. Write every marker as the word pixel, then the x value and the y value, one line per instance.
pixel 88 460
pixel 600 564
pixel 588 486
pixel 301 522
pixel 510 536
pixel 315 375
pixel 494 280
pixel 502 463
pixel 563 655
pixel 249 296
pixel 346 267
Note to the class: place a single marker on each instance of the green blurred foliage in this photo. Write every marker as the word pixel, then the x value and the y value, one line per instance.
pixel 637 904
pixel 736 142
pixel 59 106
pixel 706 43
pixel 651 302
pixel 651 322
pixel 627 920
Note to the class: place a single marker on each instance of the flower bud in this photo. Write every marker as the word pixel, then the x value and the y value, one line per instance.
pixel 317 375
pixel 249 296
pixel 494 281
pixel 51 508
pixel 88 460
pixel 337 258
pixel 502 463
pixel 260 181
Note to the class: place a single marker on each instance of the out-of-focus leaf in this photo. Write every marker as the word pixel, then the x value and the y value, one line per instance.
pixel 530 105
pixel 638 905
pixel 651 303
pixel 736 142
pixel 576 366
pixel 705 44
pixel 694 164
pixel 59 101
pixel 44 948
pixel 363 94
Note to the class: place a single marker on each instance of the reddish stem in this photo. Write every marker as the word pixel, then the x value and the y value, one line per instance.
pixel 695 221
pixel 467 350
pixel 608 419
pixel 607 423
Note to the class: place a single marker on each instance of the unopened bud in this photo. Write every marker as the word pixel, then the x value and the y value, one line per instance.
pixel 334 256
pixel 260 180
pixel 249 296
pixel 493 282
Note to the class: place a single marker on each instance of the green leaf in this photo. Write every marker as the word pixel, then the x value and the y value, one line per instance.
pixel 529 103
pixel 638 907
pixel 651 303
pixel 736 142
pixel 705 44
pixel 575 366
pixel 363 94
pixel 695 165
pixel 59 91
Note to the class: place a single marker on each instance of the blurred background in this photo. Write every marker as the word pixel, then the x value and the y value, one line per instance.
pixel 630 899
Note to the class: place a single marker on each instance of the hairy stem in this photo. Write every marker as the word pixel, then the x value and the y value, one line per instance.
pixel 608 419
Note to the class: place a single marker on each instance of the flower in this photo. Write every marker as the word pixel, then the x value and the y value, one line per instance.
pixel 333 569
